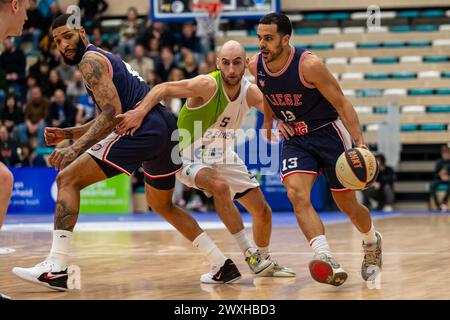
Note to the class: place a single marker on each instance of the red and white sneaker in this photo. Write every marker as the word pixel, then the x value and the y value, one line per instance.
pixel 47 274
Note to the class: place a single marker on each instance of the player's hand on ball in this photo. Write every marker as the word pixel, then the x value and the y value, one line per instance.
pixel 285 129
pixel 60 158
pixel 131 120
pixel 53 136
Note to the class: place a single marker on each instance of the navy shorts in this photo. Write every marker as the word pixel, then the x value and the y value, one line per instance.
pixel 316 152
pixel 154 146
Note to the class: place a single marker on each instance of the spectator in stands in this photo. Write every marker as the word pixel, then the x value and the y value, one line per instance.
pixel 203 68
pixel 166 64
pixel 441 177
pixel 28 158
pixel 31 83
pixel 5 137
pixel 175 104
pixel 11 115
pixel 141 63
pixel 382 190
pixel 44 7
pixel 8 154
pixel 97 38
pixel 165 37
pixel 190 66
pixel 188 39
pixel 92 11
pixel 128 33
pixel 34 27
pixel 211 61
pixel 155 50
pixel 61 111
pixel 76 88
pixel 36 111
pixel 65 72
pixel 152 79
pixel 13 62
pixel 54 83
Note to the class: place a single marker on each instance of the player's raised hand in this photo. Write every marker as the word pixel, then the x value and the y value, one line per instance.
pixel 53 136
pixel 285 129
pixel 131 120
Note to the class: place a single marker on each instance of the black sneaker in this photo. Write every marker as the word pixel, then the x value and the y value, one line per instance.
pixel 228 273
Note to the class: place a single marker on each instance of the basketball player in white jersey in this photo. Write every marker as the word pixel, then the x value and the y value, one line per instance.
pixel 217 104
pixel 13 14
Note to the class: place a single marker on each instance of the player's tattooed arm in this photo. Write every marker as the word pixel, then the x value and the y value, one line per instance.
pixel 75 133
pixel 317 74
pixel 96 75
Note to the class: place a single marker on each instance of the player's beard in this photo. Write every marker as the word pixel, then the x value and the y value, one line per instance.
pixel 230 84
pixel 273 55
pixel 79 52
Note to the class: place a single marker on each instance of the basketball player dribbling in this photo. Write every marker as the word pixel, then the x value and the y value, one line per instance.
pixel 13 14
pixel 98 153
pixel 299 90
pixel 216 106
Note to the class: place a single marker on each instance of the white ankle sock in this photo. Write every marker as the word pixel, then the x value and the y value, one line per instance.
pixel 369 237
pixel 59 252
pixel 264 251
pixel 204 243
pixel 320 245
pixel 242 240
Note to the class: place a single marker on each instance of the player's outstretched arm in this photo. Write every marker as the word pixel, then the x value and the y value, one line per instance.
pixel 202 86
pixel 96 75
pixel 317 74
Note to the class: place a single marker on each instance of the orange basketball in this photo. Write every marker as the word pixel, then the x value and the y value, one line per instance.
pixel 356 168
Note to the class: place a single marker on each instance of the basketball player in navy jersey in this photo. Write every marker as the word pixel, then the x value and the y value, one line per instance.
pixel 13 14
pixel 322 123
pixel 98 153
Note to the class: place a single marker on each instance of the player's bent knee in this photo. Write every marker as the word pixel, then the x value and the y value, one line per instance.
pixel 161 207
pixel 6 179
pixel 299 198
pixel 220 187
pixel 66 178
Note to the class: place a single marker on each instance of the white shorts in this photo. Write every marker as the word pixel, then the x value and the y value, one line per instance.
pixel 234 172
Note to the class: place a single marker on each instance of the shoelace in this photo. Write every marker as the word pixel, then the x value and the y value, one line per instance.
pixel 370 256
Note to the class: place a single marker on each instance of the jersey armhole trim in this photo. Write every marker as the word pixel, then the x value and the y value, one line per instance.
pixel 110 68
pixel 210 99
pixel 300 73
pixel 256 67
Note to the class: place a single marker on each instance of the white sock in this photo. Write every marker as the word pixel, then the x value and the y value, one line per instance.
pixel 204 243
pixel 370 236
pixel 242 240
pixel 60 247
pixel 320 245
pixel 264 251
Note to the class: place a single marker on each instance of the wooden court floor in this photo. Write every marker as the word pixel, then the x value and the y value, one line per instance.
pixel 163 265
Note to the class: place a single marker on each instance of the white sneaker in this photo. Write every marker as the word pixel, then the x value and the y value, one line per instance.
pixel 4 297
pixel 388 208
pixel 47 274
pixel 227 273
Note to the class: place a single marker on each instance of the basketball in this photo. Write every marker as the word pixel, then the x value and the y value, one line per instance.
pixel 356 168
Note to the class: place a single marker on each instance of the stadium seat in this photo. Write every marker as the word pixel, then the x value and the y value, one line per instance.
pixel 352 76
pixel 433 127
pixel 409 127
pixel 364 109
pixel 379 29
pixel 386 60
pixel 409 59
pixel 444 27
pixel 369 45
pixel 403 75
pixel 394 44
pixel 438 109
pixel 443 91
pixel 345 45
pixel 380 109
pixel 433 13
pixel 306 31
pixel 320 46
pixel 377 76
pixel 315 16
pixel 339 16
pixel 419 44
pixel 400 29
pixel 336 60
pixel 373 127
pixel 349 92
pixel 445 74
pixel 408 14
pixel 434 59
pixel 413 109
pixel 420 92
pixel 329 30
pixel 426 28
pixel 441 42
pixel 370 93
pixel 429 74
pixel 360 60
pixel 395 92
pixel 348 30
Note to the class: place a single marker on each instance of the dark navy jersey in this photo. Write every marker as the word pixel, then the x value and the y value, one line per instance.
pixel 291 98
pixel 130 86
